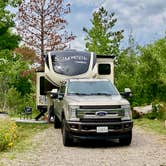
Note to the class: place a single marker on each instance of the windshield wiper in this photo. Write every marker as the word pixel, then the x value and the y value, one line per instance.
pixel 105 94
pixel 79 94
pixel 89 94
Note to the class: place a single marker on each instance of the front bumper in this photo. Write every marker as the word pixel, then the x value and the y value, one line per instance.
pixel 82 130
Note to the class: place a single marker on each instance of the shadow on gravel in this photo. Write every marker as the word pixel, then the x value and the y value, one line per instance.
pixel 97 144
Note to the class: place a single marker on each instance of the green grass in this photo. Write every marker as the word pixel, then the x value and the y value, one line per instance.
pixel 156 126
pixel 26 132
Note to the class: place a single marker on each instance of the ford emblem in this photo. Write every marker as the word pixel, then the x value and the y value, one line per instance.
pixel 101 113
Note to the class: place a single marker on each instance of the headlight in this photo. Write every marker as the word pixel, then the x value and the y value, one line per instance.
pixel 72 113
pixel 127 112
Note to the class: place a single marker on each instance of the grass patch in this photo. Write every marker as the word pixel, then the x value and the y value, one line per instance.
pixel 156 126
pixel 26 132
pixel 24 141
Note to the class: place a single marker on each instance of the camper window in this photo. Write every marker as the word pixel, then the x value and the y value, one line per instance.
pixel 104 69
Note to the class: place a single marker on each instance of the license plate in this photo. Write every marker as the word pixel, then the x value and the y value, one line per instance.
pixel 102 129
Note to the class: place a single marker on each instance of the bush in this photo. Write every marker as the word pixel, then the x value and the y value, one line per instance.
pixel 158 112
pixel 162 111
pixel 8 134
pixel 16 103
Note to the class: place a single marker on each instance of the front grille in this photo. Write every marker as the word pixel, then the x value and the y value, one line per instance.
pixel 100 120
pixel 95 113
pixel 101 114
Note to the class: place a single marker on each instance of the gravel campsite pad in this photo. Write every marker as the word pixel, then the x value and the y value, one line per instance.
pixel 146 149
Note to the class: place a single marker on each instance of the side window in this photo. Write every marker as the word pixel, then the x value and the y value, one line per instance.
pixel 104 69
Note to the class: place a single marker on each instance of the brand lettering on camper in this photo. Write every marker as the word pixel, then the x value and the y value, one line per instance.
pixel 70 58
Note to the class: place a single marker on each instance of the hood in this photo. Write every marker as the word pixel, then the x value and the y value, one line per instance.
pixel 96 100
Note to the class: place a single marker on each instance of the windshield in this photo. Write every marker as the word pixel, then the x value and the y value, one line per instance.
pixel 91 88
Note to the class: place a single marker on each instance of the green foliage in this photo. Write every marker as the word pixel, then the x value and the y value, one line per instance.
pixel 17 135
pixel 26 131
pixel 101 38
pixel 158 111
pixel 4 76
pixel 152 73
pixel 13 81
pixel 126 70
pixel 143 70
pixel 155 112
pixel 5 17
pixel 14 3
pixel 16 106
pixel 153 125
pixel 9 41
pixel 8 134
pixel 23 85
pixel 162 113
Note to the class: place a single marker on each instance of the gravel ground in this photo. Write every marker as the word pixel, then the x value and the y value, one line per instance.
pixel 146 149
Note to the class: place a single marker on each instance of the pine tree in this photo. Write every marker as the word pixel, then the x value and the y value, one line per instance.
pixel 101 38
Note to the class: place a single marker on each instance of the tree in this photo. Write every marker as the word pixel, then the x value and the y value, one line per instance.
pixel 41 24
pixel 8 40
pixel 101 38
pixel 152 71
pixel 143 70
pixel 11 65
pixel 12 75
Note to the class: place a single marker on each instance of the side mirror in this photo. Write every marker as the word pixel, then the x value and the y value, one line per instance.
pixel 60 96
pixel 127 93
pixel 54 94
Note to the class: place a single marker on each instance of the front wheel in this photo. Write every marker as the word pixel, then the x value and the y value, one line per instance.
pixel 67 141
pixel 127 139
pixel 57 123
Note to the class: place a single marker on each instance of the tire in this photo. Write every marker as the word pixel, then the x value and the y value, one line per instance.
pixel 57 123
pixel 127 139
pixel 67 140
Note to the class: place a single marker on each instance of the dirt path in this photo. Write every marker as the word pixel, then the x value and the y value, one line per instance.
pixel 146 150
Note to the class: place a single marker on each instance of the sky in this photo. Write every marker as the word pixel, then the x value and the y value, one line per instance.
pixel 145 19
